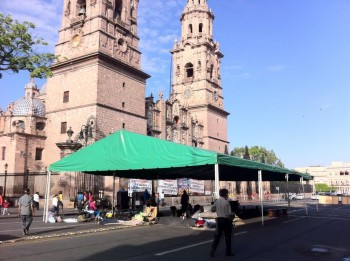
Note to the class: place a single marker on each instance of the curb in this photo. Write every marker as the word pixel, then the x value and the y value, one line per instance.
pixel 64 234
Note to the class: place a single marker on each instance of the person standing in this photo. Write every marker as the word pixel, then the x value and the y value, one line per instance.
pixel 146 196
pixel 26 211
pixel 5 209
pixel 60 201
pixel 55 205
pixel 223 222
pixel 1 201
pixel 161 198
pixel 184 202
pixel 36 198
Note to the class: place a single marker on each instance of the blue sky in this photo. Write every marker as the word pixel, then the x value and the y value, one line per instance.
pixel 285 74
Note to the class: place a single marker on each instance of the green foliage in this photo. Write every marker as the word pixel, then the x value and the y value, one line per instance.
pixel 322 187
pixel 260 154
pixel 17 49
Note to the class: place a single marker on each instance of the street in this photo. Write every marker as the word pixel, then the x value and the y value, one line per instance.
pixel 320 235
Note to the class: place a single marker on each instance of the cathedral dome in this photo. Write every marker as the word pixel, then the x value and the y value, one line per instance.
pixel 31 84
pixel 22 107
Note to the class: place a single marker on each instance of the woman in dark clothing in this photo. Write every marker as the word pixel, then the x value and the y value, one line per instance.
pixel 184 201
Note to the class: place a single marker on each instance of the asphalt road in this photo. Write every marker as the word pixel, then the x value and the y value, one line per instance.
pixel 322 234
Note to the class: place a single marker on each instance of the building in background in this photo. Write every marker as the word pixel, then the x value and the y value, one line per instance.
pixel 336 175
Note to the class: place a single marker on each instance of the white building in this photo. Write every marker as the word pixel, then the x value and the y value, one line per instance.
pixel 336 175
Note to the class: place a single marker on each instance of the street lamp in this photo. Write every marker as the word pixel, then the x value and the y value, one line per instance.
pixel 6 166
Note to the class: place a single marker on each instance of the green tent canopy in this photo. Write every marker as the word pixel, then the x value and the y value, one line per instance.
pixel 130 155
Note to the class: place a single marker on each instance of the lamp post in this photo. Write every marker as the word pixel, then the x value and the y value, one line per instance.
pixel 85 134
pixel 288 197
pixel 6 166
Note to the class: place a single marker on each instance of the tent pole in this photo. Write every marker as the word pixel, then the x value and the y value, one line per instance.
pixel 302 184
pixel 288 197
pixel 113 193
pixel 217 181
pixel 47 195
pixel 261 196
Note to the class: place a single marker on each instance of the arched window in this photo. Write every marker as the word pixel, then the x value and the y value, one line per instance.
pixel 190 30
pixel 118 9
pixel 189 70
pixel 200 29
pixel 81 7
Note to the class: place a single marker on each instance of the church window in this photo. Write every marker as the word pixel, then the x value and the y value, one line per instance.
pixel 211 71
pixel 123 125
pixel 38 153
pixel 66 96
pixel 118 9
pixel 190 30
pixel 81 7
pixel 200 28
pixel 189 70
pixel 3 153
pixel 123 84
pixel 123 104
pixel 63 127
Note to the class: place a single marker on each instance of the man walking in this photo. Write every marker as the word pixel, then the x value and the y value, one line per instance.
pixel 26 211
pixel 223 222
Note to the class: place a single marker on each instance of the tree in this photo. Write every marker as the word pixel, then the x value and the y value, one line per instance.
pixel 256 153
pixel 322 187
pixel 17 49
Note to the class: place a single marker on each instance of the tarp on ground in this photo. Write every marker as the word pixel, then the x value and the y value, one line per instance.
pixel 131 155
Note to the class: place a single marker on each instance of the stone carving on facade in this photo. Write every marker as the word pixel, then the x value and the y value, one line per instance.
pixel 67 10
pixel 93 2
pixel 184 133
pixel 175 135
pixel 160 95
pixel 168 133
pixel 176 109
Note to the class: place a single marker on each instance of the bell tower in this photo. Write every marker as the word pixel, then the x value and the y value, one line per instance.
pixel 196 74
pixel 98 80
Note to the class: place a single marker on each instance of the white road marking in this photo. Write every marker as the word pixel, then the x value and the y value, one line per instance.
pixel 198 244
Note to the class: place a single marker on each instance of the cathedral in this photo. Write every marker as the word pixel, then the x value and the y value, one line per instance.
pixel 99 87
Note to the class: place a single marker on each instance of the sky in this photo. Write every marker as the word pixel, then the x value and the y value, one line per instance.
pixel 285 72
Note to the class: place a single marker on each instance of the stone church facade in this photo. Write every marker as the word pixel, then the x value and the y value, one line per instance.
pixel 194 113
pixel 99 87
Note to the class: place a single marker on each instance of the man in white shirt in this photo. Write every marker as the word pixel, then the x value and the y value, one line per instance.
pixel 36 199
pixel 223 222
pixel 55 204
